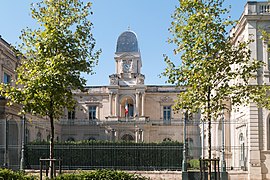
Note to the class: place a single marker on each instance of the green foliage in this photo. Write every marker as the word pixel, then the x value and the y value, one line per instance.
pixel 8 174
pixel 101 175
pixel 194 163
pixel 102 142
pixel 214 67
pixel 53 57
pixel 118 155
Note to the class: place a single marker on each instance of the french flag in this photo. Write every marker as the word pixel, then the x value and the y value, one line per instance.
pixel 126 108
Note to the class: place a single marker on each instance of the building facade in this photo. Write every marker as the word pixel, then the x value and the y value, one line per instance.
pixel 128 109
pixel 246 128
pixel 124 110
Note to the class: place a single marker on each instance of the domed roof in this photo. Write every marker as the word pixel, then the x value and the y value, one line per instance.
pixel 127 42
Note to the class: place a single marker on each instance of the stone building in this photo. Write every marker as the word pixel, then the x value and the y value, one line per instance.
pixel 126 109
pixel 247 128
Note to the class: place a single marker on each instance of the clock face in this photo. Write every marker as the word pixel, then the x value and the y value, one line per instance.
pixel 126 67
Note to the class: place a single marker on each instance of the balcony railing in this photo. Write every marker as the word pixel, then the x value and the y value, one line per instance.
pixel 257 8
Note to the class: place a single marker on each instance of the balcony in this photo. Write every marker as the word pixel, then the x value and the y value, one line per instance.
pixel 80 122
pixel 257 8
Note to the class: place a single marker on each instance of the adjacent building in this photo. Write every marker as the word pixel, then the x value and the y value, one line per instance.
pixel 247 128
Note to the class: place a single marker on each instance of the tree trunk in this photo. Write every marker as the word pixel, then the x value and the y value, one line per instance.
pixel 209 133
pixel 51 167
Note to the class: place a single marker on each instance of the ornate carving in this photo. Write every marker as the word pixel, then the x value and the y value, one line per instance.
pixel 166 99
pixel 8 64
pixel 114 79
pixel 139 78
pixel 91 99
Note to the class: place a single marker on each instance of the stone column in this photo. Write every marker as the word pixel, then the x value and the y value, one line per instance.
pixel 254 136
pixel 265 56
pixel 110 104
pixel 141 135
pixel 116 105
pixel 137 104
pixel 143 98
pixel 136 135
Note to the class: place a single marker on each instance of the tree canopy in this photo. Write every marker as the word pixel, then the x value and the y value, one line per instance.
pixel 212 67
pixel 53 57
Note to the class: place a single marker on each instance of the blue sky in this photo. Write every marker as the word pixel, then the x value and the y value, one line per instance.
pixel 149 19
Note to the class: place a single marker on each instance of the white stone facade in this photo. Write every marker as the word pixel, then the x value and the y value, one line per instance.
pixel 247 127
pixel 126 109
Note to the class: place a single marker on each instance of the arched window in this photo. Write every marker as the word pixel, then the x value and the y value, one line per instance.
pixel 27 136
pixel 242 150
pixel 268 134
pixel 48 137
pixel 70 139
pixel 127 137
pixel 167 139
pixel 190 146
pixel 38 137
pixel 91 139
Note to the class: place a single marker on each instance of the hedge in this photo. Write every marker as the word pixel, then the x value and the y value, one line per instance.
pixel 101 175
pixel 99 155
pixel 7 174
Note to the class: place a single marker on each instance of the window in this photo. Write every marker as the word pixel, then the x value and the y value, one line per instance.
pixel 130 110
pixel 242 151
pixel 7 78
pixel 27 136
pixel 48 137
pixel 70 139
pixel 167 140
pixel 91 139
pixel 190 146
pixel 38 137
pixel 92 110
pixel 71 114
pixel 167 114
pixel 268 133
pixel 127 137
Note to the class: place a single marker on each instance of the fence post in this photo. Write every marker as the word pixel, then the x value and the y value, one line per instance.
pixel 60 166
pixel 40 169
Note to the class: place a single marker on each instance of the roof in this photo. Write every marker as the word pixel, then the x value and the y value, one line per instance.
pixel 127 42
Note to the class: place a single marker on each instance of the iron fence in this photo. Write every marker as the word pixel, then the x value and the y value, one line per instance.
pixel 110 156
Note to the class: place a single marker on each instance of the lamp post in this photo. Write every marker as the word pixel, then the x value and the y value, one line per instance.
pixel 6 144
pixel 223 162
pixel 184 162
pixel 22 148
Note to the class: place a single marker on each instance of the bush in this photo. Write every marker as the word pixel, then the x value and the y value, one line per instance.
pixel 114 155
pixel 101 175
pixel 7 174
pixel 194 164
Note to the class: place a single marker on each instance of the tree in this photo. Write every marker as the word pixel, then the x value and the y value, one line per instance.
pixel 212 68
pixel 53 57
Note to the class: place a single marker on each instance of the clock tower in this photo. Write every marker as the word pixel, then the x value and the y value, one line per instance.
pixel 127 61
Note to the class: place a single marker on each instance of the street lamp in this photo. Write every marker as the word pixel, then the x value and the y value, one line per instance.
pixel 223 162
pixel 23 139
pixel 6 143
pixel 184 162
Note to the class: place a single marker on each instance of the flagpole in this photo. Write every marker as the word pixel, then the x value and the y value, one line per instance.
pixel 126 110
